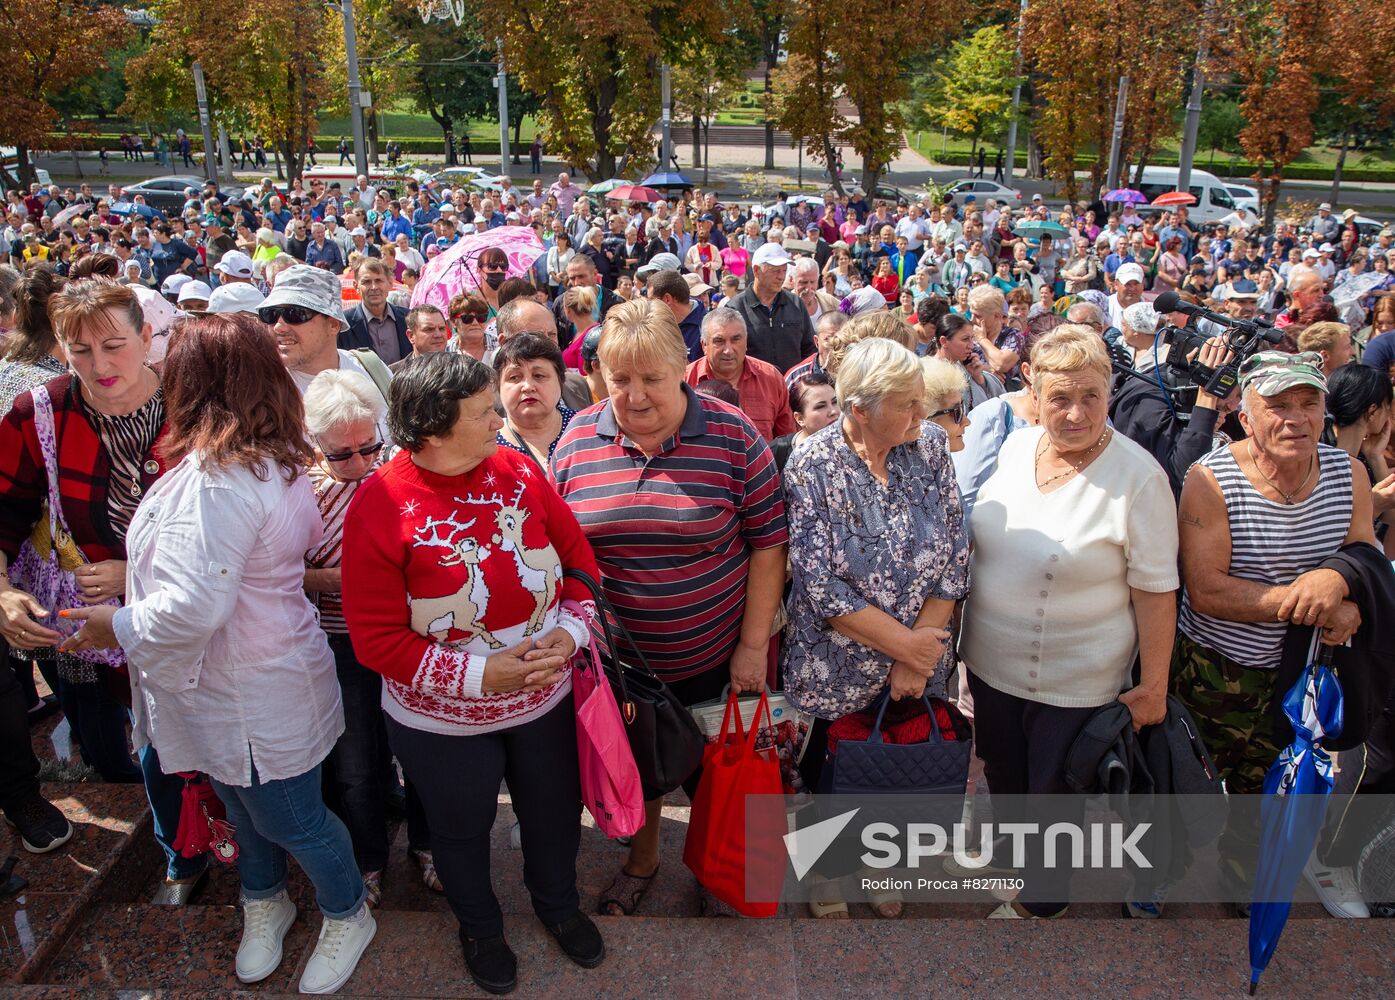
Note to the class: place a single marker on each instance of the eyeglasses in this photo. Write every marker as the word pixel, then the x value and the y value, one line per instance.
pixel 494 267
pixel 956 412
pixel 470 318
pixel 294 315
pixel 344 456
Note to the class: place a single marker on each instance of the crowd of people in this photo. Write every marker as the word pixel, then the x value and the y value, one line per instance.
pixel 835 446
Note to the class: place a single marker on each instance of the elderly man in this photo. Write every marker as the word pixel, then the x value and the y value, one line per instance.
pixel 426 331
pixel 322 251
pixel 528 315
pixel 1305 291
pixel 805 280
pixel 375 323
pixel 1128 289
pixel 778 326
pixel 1258 519
pixel 764 398
pixel 828 324
pixel 1324 226
pixel 566 193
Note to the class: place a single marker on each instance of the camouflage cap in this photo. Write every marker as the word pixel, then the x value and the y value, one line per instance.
pixel 1272 372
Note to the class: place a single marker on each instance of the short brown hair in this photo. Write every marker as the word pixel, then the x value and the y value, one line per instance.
pixel 468 305
pixel 417 312
pixel 1321 336
pixel 668 282
pixel 229 398
pixel 84 302
pixel 374 264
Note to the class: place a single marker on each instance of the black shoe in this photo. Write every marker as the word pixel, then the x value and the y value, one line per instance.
pixel 491 963
pixel 581 940
pixel 42 828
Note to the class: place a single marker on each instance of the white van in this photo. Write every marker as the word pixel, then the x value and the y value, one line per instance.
pixel 1213 201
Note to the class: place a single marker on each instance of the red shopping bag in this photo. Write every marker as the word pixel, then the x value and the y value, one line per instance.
pixel 610 785
pixel 735 830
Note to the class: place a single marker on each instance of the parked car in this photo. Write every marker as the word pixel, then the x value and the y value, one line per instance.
pixel 983 189
pixel 168 193
pixel 1369 229
pixel 1244 195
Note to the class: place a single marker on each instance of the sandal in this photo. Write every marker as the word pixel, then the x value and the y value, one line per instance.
pixel 710 906
pixel 881 903
pixel 624 893
pixel 829 908
pixel 429 878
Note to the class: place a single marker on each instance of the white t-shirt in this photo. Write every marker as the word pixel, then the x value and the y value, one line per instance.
pixel 1050 619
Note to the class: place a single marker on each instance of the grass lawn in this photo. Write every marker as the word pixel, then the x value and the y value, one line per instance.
pixel 402 123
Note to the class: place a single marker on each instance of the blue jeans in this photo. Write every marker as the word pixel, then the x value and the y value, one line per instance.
pixel 274 818
pixel 166 795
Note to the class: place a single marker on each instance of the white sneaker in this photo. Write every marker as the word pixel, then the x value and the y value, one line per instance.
pixel 516 837
pixel 1337 889
pixel 341 945
pixel 264 926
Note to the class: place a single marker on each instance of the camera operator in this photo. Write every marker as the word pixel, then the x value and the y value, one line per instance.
pixel 1142 410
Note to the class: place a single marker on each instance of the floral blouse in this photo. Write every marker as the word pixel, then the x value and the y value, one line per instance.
pixel 855 543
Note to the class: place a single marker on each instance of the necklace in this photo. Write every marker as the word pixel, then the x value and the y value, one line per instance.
pixel 1074 468
pixel 1288 497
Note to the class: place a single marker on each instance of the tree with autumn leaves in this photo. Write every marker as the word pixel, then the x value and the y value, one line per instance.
pixel 264 62
pixel 46 46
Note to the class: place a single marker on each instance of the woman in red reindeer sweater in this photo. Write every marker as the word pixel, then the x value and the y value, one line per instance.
pixel 453 564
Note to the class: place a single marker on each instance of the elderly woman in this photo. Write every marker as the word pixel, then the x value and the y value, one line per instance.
pixel 1000 344
pixel 814 405
pixel 879 551
pixel 99 426
pixel 1101 575
pixel 30 354
pixel 343 411
pixel 221 639
pixel 1258 518
pixel 469 317
pixel 530 372
pixel 454 555
pixel 944 398
pixel 682 466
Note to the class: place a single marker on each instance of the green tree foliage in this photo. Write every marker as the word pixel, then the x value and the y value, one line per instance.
pixel 971 93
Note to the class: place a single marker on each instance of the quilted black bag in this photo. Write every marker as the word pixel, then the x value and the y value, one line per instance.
pixel 665 740
pixel 937 766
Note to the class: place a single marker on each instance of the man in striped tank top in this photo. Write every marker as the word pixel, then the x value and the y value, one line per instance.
pixel 1257 517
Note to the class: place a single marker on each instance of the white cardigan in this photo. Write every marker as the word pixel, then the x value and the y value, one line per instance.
pixel 228 663
pixel 1049 617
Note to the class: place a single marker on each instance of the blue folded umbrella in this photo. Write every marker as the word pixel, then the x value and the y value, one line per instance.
pixel 1296 793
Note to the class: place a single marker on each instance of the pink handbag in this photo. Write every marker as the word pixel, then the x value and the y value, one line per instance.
pixel 610 786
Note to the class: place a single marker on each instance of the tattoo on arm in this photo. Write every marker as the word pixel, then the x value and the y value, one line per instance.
pixel 1191 519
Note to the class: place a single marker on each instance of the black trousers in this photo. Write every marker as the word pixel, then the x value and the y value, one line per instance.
pixel 458 779
pixel 19 768
pixel 1023 745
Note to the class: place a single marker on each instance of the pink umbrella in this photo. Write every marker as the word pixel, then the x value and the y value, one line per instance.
pixel 456 270
pixel 633 192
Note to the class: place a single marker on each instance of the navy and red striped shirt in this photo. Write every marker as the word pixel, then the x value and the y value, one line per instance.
pixel 673 534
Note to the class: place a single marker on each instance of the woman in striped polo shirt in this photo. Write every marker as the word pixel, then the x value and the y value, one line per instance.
pixel 680 499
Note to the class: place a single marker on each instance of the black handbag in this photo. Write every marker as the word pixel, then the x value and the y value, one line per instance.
pixel 665 740
pixel 875 767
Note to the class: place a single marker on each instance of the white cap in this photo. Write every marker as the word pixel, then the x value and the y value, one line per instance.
pixel 1141 317
pixel 1310 254
pixel 1327 248
pixel 235 264
pixel 172 284
pixel 1036 197
pixel 771 254
pixel 1325 207
pixel 236 297
pixel 359 231
pixel 1128 272
pixel 194 290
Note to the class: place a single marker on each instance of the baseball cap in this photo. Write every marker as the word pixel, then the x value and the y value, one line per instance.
pixel 1272 372
pixel 1244 288
pixel 696 286
pixel 771 255
pixel 235 264
pixel 359 231
pixel 312 287
pixel 1310 254
pixel 707 217
pixel 236 297
pixel 1036 197
pixel 194 290
pixel 172 284
pixel 1327 248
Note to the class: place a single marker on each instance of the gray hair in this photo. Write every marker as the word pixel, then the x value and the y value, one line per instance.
pixel 337 398
pixel 722 316
pixel 831 321
pixel 873 369
pixel 1087 313
pixel 803 265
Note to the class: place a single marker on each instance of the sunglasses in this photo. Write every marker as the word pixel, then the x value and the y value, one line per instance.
pixel 294 315
pixel 494 267
pixel 955 412
pixel 344 456
pixel 470 318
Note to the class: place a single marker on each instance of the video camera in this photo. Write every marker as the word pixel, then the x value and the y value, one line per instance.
pixel 1242 337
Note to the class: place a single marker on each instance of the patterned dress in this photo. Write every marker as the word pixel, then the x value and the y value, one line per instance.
pixel 855 543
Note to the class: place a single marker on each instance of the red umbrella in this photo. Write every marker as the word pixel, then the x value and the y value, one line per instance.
pixel 633 192
pixel 1174 198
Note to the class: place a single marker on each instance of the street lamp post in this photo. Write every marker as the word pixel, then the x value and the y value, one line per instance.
pixel 346 7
